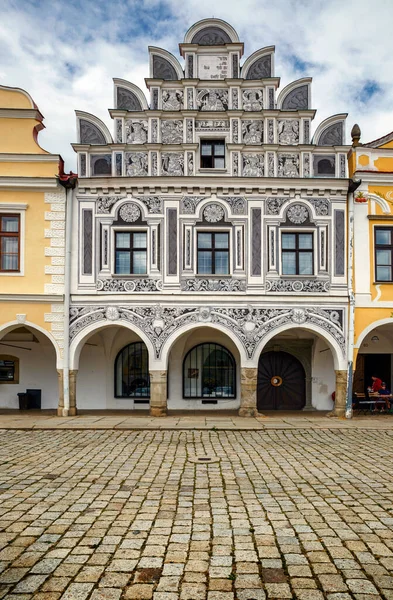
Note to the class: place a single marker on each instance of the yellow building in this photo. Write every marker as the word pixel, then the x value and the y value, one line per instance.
pixel 32 255
pixel 372 164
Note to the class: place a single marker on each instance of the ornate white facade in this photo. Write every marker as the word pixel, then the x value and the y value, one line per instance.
pixel 267 176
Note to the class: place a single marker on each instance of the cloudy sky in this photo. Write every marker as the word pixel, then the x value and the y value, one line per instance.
pixel 65 54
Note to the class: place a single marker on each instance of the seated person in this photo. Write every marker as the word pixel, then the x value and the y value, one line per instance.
pixel 376 384
pixel 383 403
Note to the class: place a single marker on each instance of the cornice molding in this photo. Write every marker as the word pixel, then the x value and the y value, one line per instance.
pixel 21 113
pixel 9 157
pixel 45 184
pixel 13 206
pixel 31 298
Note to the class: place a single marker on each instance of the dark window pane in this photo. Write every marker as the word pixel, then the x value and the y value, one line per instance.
pixel 305 240
pixel 204 240
pixel 139 262
pixel 139 240
pixel 221 263
pixel 123 263
pixel 204 262
pixel 219 149
pixel 289 263
pixel 207 150
pixel 288 240
pixel 383 236
pixel 10 224
pixel 132 372
pixel 384 257
pixel 122 240
pixel 209 372
pixel 305 263
pixel 384 274
pixel 221 240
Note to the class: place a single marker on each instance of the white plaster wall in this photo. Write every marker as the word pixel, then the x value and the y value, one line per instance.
pixel 323 376
pixel 37 370
pixel 95 386
pixel 176 357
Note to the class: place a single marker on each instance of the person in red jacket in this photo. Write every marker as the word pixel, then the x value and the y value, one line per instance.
pixel 376 385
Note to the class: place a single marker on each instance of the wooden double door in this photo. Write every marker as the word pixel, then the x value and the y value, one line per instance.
pixel 281 382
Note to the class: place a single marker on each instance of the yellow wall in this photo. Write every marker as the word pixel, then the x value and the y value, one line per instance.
pixel 34 311
pixel 35 242
pixel 384 164
pixel 17 136
pixel 29 169
pixel 11 98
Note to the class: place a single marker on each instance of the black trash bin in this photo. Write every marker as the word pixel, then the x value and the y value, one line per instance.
pixel 34 400
pixel 23 400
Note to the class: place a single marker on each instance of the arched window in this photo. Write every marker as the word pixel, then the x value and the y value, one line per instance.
pixel 132 372
pixel 209 371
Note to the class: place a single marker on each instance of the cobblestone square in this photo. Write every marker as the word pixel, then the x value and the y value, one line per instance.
pixel 280 513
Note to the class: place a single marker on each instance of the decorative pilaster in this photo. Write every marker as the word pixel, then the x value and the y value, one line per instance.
pixel 341 392
pixel 73 410
pixel 60 406
pixel 248 392
pixel 158 393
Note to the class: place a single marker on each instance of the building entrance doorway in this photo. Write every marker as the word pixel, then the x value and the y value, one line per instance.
pixel 281 382
pixel 368 365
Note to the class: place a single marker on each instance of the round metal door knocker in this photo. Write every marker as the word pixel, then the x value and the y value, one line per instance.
pixel 276 380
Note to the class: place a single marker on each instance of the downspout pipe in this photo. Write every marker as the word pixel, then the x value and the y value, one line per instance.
pixel 352 187
pixel 69 184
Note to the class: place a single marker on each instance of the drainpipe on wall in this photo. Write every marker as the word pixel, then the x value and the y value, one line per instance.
pixel 69 183
pixel 352 186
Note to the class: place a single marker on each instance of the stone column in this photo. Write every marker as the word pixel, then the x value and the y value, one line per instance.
pixel 158 392
pixel 341 393
pixel 60 406
pixel 248 392
pixel 73 410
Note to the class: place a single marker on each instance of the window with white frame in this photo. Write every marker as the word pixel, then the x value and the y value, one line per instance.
pixel 297 253
pixel 213 253
pixel 130 252
pixel 212 154
pixel 9 243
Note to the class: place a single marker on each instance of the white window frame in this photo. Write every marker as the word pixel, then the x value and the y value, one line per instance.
pixel 205 136
pixel 228 230
pixel 16 209
pixel 135 229
pixel 314 231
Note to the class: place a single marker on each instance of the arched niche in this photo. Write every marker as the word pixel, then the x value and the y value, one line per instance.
pixel 129 96
pixel 92 130
pixel 211 32
pixel 163 65
pixel 295 96
pixel 331 132
pixel 259 65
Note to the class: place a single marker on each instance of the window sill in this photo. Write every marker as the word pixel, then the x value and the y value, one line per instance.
pixel 212 170
pixel 213 276
pixel 382 282
pixel 129 275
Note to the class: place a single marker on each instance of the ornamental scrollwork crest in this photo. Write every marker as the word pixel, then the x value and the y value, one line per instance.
pixel 129 212
pixel 105 203
pixel 297 214
pixel 213 213
pixel 249 324
pixel 273 205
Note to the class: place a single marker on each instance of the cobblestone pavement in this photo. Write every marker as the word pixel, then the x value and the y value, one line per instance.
pixel 111 515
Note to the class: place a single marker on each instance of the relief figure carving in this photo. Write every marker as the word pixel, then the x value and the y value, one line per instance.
pixel 252 132
pixel 288 132
pixel 136 132
pixel 253 100
pixel 172 99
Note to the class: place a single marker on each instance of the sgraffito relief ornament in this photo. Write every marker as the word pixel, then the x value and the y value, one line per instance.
pixel 270 131
pixel 297 214
pixel 253 100
pixel 210 125
pixel 213 285
pixel 172 99
pixel 112 314
pixel 235 163
pixel 129 285
pixel 260 68
pixel 172 163
pixel 153 203
pixel 253 165
pixel 129 212
pixel 297 99
pixel 189 203
pixel 237 204
pixel 321 206
pixel 213 99
pixel 172 132
pixel 270 164
pixel 288 131
pixel 136 164
pixel 213 213
pixel 293 286
pixel 252 132
pixel 288 165
pixel 236 320
pixel 136 132
pixel 273 205
pixel 190 98
pixel 105 203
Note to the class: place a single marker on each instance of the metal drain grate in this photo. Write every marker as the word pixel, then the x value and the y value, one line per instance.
pixel 204 459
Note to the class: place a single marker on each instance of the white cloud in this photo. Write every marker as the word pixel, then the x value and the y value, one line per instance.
pixel 65 55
